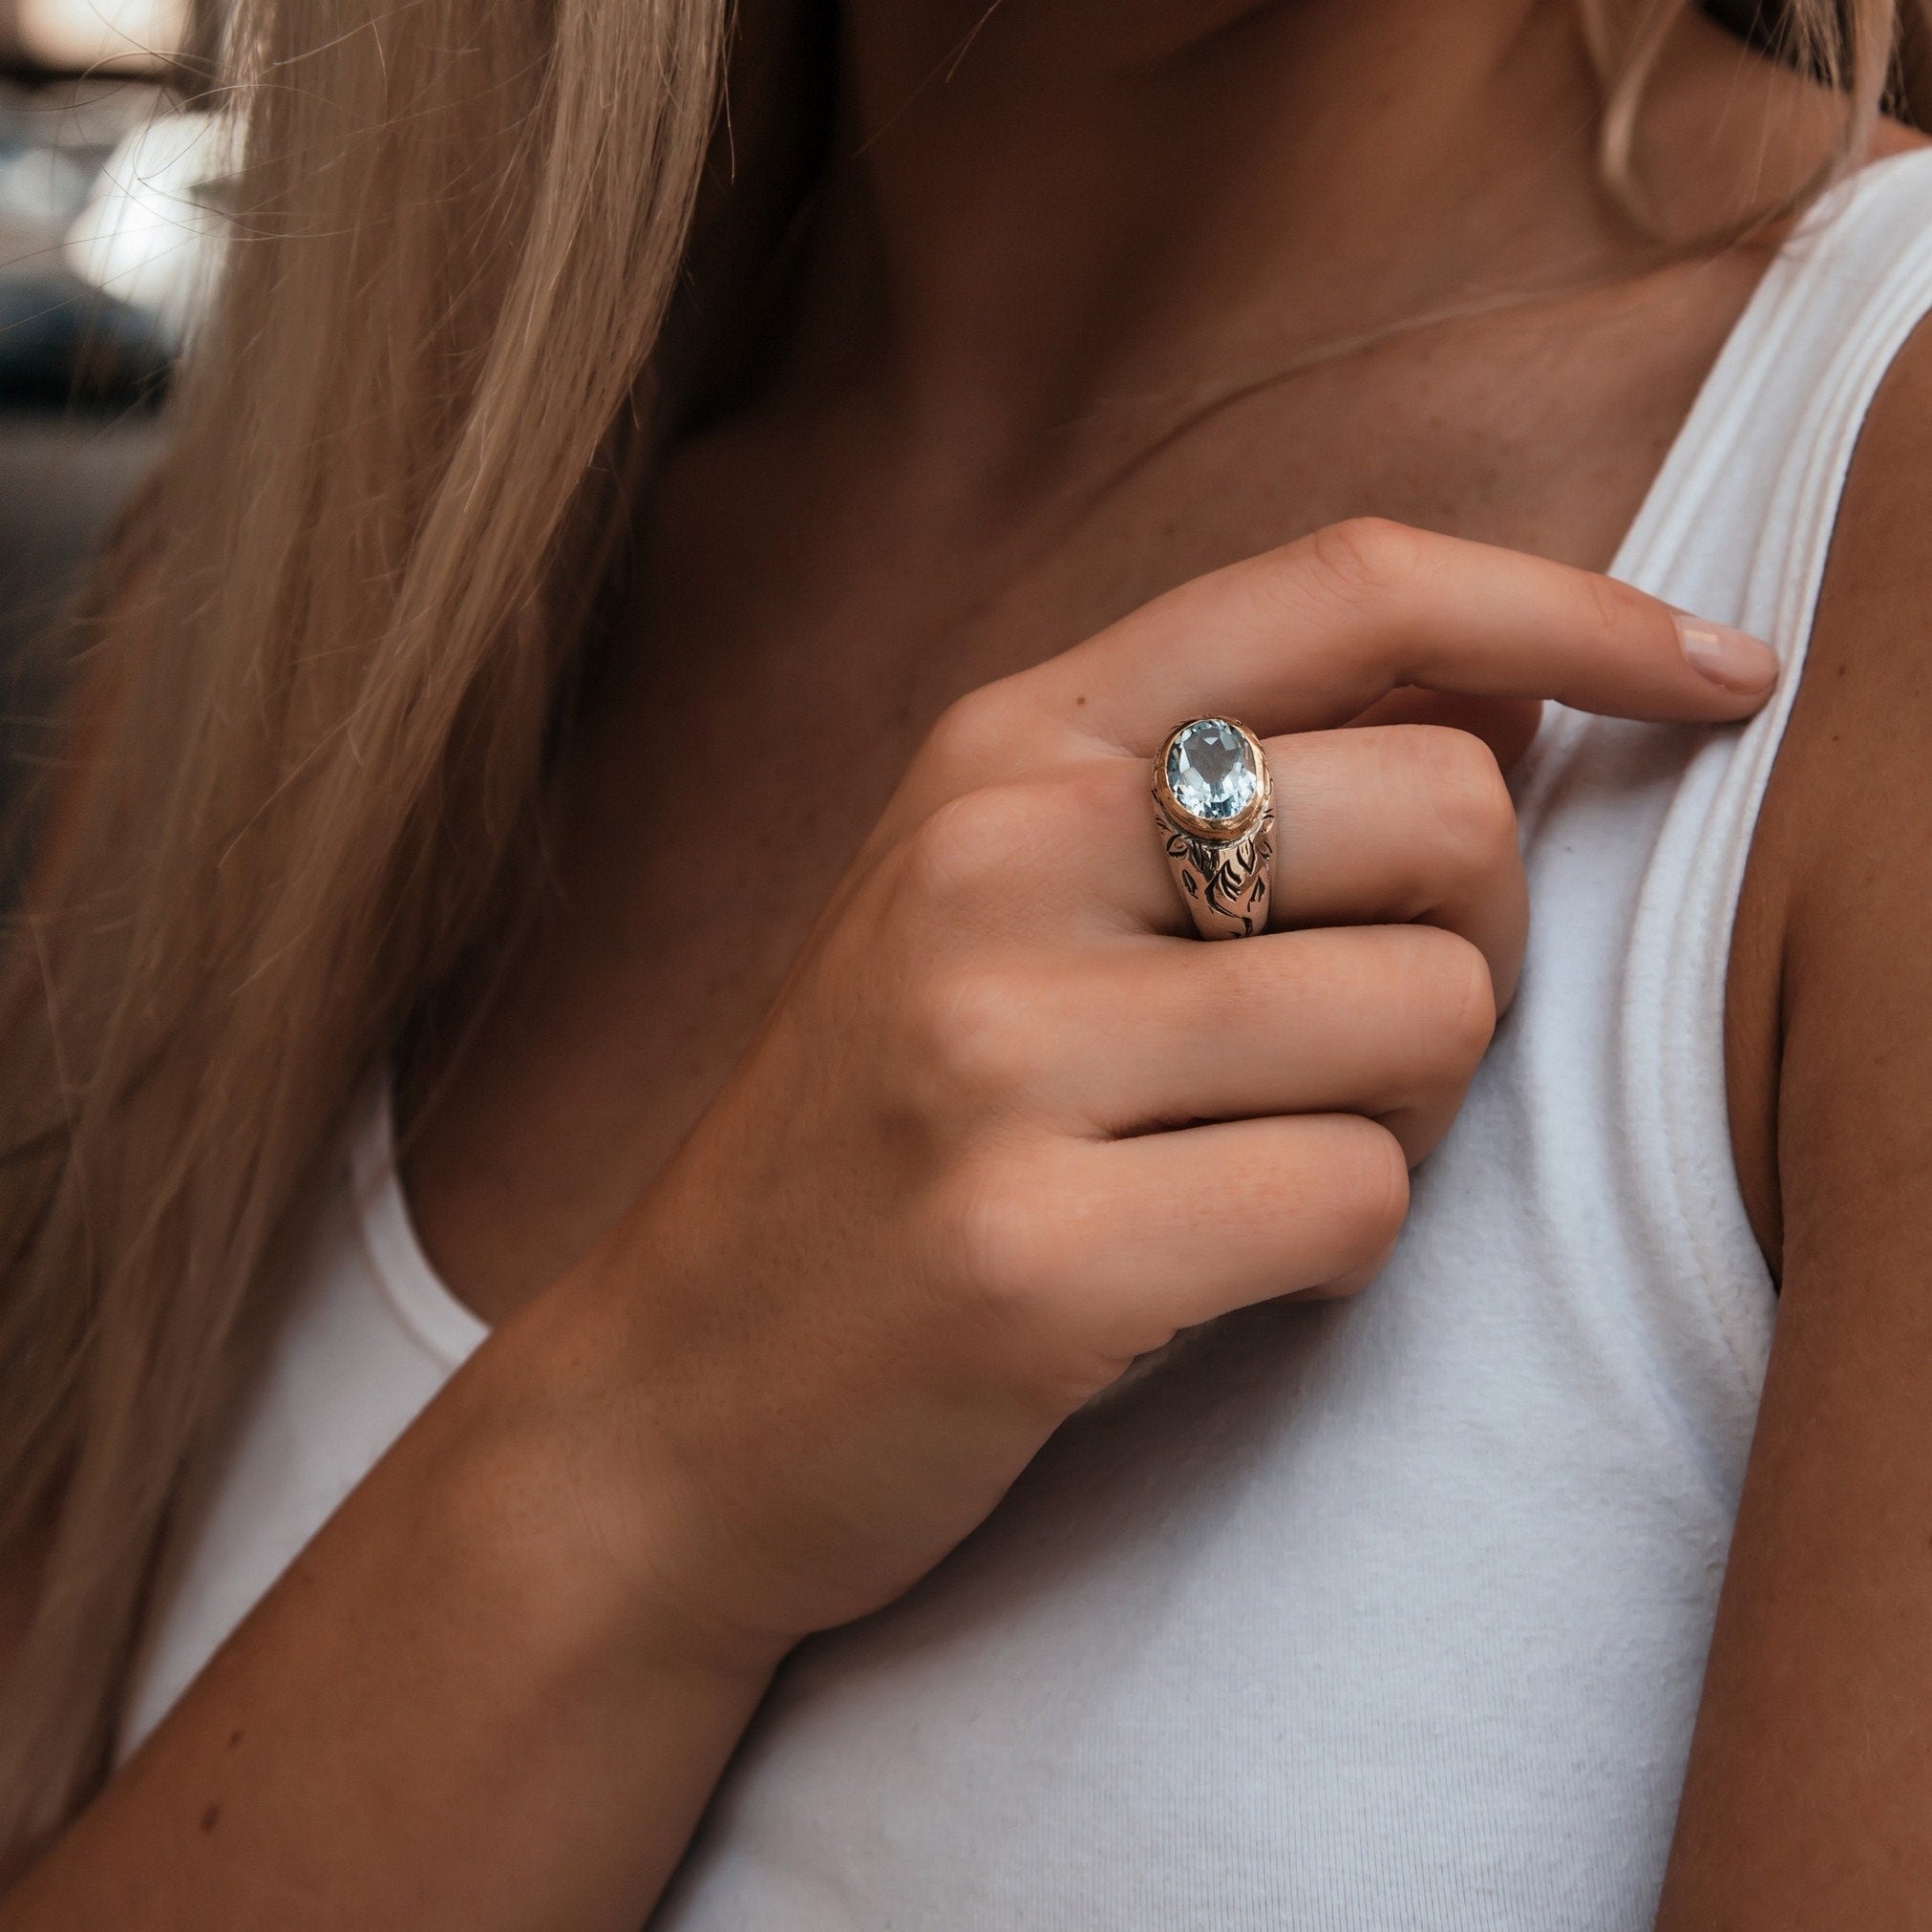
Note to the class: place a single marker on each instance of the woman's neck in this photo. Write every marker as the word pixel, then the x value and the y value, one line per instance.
pixel 1052 201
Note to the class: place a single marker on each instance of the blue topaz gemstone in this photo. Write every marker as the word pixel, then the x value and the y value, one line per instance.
pixel 1212 773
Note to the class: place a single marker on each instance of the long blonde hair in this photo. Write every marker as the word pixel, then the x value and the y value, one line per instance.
pixel 326 659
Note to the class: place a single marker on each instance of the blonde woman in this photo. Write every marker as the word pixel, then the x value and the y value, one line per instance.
pixel 606 1073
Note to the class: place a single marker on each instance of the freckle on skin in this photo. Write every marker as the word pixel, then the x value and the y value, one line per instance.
pixel 234 1738
pixel 211 1817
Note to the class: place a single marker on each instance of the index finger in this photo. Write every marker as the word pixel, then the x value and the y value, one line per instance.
pixel 1308 636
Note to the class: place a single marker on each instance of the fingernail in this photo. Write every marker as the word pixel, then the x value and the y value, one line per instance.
pixel 1732 658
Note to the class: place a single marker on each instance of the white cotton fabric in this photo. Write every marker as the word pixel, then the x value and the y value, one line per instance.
pixel 1383 1614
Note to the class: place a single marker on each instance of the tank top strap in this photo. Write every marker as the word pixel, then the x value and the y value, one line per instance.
pixel 1738 527
pixel 1746 500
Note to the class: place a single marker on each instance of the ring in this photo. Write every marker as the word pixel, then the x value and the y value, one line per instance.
pixel 1214 804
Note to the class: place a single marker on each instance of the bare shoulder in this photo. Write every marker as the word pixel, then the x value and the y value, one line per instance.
pixel 1831 924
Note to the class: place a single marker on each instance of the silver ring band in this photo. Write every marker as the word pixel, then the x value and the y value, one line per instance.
pixel 1214 805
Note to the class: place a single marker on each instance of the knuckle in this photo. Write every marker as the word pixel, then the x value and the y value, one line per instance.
pixel 1367 1177
pixel 1473 816
pixel 969 737
pixel 1609 607
pixel 1363 557
pixel 966 846
pixel 997 1247
pixel 1456 996
pixel 968 1036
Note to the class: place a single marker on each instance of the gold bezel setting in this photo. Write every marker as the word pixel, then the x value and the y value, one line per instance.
pixel 1224 868
pixel 1218 831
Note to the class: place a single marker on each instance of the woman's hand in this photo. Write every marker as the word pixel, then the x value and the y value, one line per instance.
pixel 1007 1129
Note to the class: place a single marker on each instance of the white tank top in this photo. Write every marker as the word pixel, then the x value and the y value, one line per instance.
pixel 1382 1614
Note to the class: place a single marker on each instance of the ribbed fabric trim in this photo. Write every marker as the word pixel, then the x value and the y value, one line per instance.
pixel 427 1308
pixel 1783 412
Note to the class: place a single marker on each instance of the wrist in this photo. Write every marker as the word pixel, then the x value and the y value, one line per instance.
pixel 553 1485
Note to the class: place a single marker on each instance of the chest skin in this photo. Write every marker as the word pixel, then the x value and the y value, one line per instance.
pixel 819 591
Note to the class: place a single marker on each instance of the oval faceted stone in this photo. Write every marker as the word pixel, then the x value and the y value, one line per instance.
pixel 1211 771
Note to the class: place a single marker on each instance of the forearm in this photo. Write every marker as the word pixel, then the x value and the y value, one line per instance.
pixel 456 1709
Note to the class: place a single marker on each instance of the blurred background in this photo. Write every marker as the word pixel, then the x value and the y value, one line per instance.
pixel 110 171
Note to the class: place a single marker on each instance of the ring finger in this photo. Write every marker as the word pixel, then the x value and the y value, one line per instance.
pixel 1395 824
